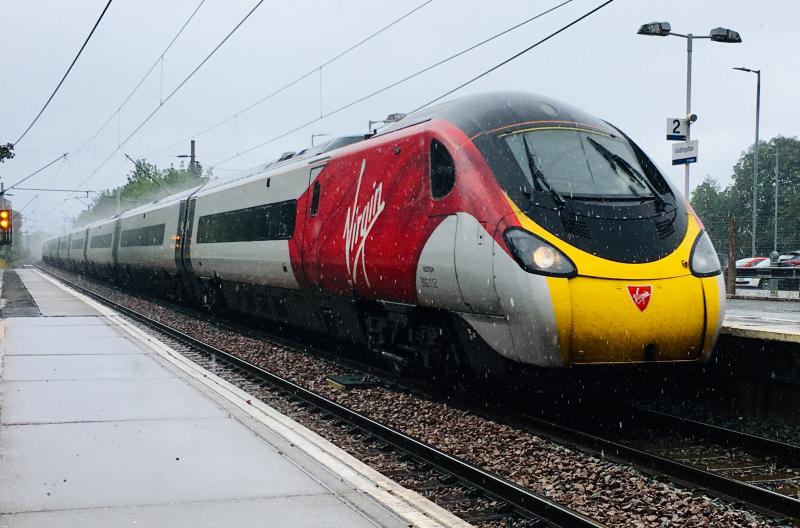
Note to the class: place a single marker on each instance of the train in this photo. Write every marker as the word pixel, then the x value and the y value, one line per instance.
pixel 492 231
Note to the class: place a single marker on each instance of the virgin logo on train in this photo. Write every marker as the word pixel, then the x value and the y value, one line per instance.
pixel 358 224
pixel 640 296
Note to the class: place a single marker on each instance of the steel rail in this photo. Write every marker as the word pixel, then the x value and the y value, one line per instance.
pixel 729 437
pixel 523 501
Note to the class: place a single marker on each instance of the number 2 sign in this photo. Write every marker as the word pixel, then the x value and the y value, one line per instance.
pixel 677 129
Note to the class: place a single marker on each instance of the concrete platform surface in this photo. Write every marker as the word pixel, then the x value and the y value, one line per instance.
pixel 759 319
pixel 52 302
pixel 103 425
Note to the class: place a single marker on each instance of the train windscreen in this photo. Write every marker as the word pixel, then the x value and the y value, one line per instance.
pixel 578 162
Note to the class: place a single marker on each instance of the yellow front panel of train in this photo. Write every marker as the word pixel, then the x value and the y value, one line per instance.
pixel 617 321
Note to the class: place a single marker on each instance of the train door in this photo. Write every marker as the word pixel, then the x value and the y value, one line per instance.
pixel 437 283
pixel 187 281
pixel 70 263
pixel 115 244
pixel 85 249
pixel 188 232
pixel 180 235
pixel 311 228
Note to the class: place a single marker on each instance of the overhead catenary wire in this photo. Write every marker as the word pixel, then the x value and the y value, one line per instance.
pixel 158 61
pixel 293 82
pixel 37 171
pixel 172 93
pixel 407 78
pixel 85 42
pixel 50 189
pixel 19 211
pixel 513 57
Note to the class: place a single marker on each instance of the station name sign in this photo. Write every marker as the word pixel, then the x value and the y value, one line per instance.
pixel 685 152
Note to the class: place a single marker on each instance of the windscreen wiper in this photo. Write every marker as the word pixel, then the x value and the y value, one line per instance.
pixel 538 177
pixel 627 168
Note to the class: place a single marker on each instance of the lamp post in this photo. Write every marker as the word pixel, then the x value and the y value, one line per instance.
pixel 777 176
pixel 755 155
pixel 664 29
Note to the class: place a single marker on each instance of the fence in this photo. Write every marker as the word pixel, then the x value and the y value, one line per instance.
pixel 775 279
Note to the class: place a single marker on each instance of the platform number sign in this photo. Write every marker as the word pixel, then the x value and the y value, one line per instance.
pixel 677 129
pixel 5 227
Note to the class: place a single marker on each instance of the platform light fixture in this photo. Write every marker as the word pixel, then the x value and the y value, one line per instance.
pixel 728 36
pixel 655 29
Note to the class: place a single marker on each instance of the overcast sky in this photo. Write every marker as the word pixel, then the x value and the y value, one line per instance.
pixel 600 65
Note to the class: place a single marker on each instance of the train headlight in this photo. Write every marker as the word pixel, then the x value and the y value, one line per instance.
pixel 535 255
pixel 545 257
pixel 703 260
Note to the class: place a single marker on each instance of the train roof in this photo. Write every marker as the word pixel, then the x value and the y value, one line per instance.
pixel 287 159
pixel 154 204
pixel 96 223
pixel 481 113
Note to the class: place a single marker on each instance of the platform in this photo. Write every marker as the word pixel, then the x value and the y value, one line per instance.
pixel 103 425
pixel 759 319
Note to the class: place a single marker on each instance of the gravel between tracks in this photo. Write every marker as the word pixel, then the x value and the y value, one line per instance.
pixel 615 494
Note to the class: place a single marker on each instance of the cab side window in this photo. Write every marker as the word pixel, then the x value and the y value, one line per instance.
pixel 443 170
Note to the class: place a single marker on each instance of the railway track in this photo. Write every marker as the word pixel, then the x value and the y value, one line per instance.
pixel 760 472
pixel 478 496
pixel 689 465
pixel 764 463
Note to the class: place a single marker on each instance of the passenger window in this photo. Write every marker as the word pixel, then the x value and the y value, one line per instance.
pixel 315 190
pixel 315 199
pixel 273 221
pixel 443 170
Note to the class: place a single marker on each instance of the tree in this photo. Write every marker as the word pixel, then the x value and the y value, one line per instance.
pixel 146 182
pixel 715 206
pixel 6 152
pixel 710 202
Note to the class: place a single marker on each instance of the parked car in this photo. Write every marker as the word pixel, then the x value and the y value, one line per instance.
pixel 751 262
pixel 791 258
